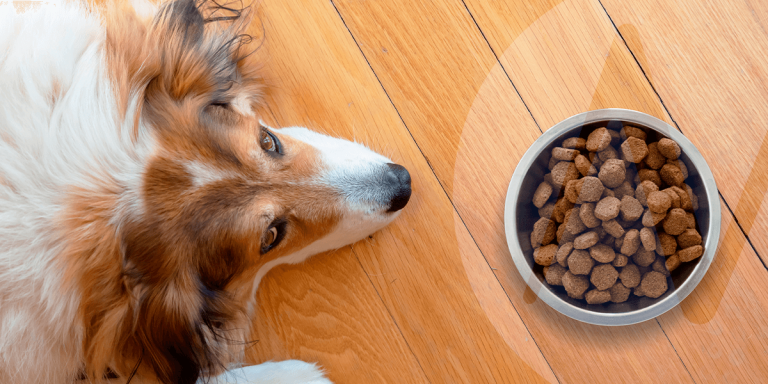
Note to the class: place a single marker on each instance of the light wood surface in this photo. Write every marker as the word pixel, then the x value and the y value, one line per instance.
pixel 456 91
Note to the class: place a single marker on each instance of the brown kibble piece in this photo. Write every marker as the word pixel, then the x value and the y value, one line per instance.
pixel 634 149
pixel 690 253
pixel 685 199
pixel 544 231
pixel 561 207
pixel 545 255
pixel 580 262
pixel 563 172
pixel 618 243
pixel 573 189
pixel 651 219
pixel 573 223
pixel 672 262
pixel 654 284
pixel 604 276
pixel 676 222
pixel 591 189
pixel 575 285
pixel 554 274
pixel 630 276
pixel 564 154
pixel 681 165
pixel 542 194
pixel 659 202
pixel 563 236
pixel 665 244
pixel 659 265
pixel 598 297
pixel 546 210
pixel 631 209
pixel 598 140
pixel 629 131
pixel 613 228
pixel 672 175
pixel 631 242
pixel 669 148
pixel 689 238
pixel 619 293
pixel 654 160
pixel 584 166
pixel 602 253
pixel 608 154
pixel 587 215
pixel 607 208
pixel 575 143
pixel 586 240
pixel 648 238
pixel 644 189
pixel 620 260
pixel 608 193
pixel 673 196
pixel 612 173
pixel 625 189
pixel 561 256
pixel 638 291
pixel 650 175
pixel 643 258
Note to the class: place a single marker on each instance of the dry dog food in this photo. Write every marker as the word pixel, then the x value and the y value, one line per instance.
pixel 616 216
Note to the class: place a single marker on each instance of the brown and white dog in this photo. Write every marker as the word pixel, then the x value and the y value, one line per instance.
pixel 142 201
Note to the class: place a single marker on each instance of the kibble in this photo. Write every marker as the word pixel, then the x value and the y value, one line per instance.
pixel 654 284
pixel 561 256
pixel 587 215
pixel 689 238
pixel 602 253
pixel 607 208
pixel 619 293
pixel 669 148
pixel 612 173
pixel 564 154
pixel 545 255
pixel 616 216
pixel 598 140
pixel 554 274
pixel 630 276
pixel 604 276
pixel 676 222
pixel 586 240
pixel 575 143
pixel 575 285
pixel 580 263
pixel 672 175
pixel 598 297
pixel 690 253
pixel 634 149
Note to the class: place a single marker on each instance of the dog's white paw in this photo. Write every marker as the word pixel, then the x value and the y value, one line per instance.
pixel 283 372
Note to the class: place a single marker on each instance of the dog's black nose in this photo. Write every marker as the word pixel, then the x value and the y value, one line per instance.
pixel 400 181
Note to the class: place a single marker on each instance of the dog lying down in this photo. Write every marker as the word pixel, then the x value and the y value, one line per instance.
pixel 142 201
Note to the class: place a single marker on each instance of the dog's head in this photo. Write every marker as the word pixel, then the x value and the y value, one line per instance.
pixel 223 198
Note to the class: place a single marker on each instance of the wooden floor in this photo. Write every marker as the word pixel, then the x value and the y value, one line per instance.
pixel 456 90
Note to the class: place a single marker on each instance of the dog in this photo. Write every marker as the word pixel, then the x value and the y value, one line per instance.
pixel 142 200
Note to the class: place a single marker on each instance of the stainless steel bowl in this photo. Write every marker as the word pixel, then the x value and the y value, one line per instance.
pixel 520 214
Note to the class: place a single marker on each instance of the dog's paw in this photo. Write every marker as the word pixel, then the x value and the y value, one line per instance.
pixel 283 372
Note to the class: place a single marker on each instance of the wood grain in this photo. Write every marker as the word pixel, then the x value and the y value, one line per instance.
pixel 582 43
pixel 424 265
pixel 490 129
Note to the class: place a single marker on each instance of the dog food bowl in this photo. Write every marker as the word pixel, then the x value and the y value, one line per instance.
pixel 520 215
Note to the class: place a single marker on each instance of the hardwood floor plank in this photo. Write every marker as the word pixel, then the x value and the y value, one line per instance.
pixel 468 120
pixel 715 332
pixel 435 283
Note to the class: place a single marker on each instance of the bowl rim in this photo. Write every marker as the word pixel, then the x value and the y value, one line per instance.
pixel 601 318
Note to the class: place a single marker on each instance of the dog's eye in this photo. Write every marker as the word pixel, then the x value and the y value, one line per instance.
pixel 272 236
pixel 269 142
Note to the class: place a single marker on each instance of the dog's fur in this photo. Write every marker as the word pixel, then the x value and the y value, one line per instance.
pixel 142 201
